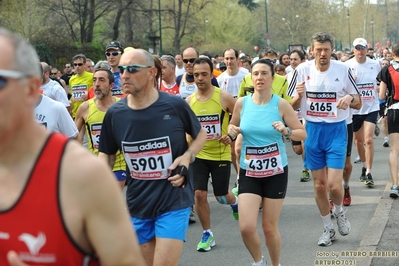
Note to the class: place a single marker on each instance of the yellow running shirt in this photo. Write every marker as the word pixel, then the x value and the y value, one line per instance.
pixel 78 86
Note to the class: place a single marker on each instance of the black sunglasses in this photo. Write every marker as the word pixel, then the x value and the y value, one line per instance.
pixel 191 60
pixel 112 53
pixel 271 60
pixel 360 47
pixel 132 68
pixel 78 64
pixel 6 74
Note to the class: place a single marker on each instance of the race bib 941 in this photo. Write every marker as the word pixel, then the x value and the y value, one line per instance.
pixel 263 161
pixel 148 159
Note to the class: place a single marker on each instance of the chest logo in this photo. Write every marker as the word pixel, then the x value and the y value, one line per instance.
pixel 33 243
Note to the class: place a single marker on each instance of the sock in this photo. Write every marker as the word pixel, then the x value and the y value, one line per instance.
pixel 209 231
pixel 386 138
pixel 364 164
pixel 236 202
pixel 337 208
pixel 259 263
pixel 346 185
pixel 327 221
pixel 368 171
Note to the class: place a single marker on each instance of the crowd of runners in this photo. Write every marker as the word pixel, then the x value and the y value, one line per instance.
pixel 168 127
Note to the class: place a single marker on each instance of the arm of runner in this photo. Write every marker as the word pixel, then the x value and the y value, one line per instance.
pixel 298 132
pixel 233 129
pixel 383 88
pixel 100 207
pixel 80 119
pixel 300 91
pixel 356 104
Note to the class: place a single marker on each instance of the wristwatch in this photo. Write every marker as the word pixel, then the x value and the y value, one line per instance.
pixel 232 138
pixel 289 132
pixel 353 98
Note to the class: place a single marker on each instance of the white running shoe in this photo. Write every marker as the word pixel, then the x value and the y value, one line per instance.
pixel 344 226
pixel 327 237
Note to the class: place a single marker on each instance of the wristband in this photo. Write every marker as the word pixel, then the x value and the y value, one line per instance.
pixel 232 138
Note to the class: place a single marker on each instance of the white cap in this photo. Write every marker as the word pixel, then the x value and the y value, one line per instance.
pixel 359 41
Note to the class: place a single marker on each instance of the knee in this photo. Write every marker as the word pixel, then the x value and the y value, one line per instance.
pixel 201 196
pixel 320 186
pixel 270 229
pixel 348 166
pixel 369 140
pixel 297 149
pixel 247 229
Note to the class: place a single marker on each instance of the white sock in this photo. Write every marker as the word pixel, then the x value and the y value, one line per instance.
pixel 386 138
pixel 346 185
pixel 337 208
pixel 368 171
pixel 327 221
pixel 260 263
pixel 236 202
pixel 364 164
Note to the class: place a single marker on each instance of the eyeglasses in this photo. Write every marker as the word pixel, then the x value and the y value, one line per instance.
pixel 6 74
pixel 360 47
pixel 132 68
pixel 78 64
pixel 53 73
pixel 191 60
pixel 271 60
pixel 112 53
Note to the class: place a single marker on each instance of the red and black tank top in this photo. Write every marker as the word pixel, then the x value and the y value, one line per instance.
pixel 33 226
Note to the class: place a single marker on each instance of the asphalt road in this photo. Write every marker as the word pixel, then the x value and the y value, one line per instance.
pixel 301 225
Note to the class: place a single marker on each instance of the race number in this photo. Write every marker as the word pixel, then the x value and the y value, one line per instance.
pixel 211 124
pixel 148 159
pixel 321 104
pixel 263 161
pixel 366 91
pixel 78 91
pixel 95 129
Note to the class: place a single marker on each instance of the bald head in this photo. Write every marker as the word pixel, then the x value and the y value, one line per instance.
pixel 137 56
pixel 45 67
pixel 188 55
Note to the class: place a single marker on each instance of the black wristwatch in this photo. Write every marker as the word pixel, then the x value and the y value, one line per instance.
pixel 353 98
pixel 232 138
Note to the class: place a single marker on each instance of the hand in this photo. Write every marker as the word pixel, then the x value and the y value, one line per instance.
pixel 344 102
pixel 178 180
pixel 226 140
pixel 84 96
pixel 233 130
pixel 300 89
pixel 14 260
pixel 280 127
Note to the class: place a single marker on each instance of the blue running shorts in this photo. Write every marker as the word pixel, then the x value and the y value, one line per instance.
pixel 120 175
pixel 326 145
pixel 173 225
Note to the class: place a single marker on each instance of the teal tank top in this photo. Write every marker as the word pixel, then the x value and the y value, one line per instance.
pixel 263 152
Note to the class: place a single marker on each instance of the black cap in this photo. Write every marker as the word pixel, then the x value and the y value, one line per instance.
pixel 222 65
pixel 114 45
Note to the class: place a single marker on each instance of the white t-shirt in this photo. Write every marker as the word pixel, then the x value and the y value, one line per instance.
pixel 55 91
pixel 186 88
pixel 179 71
pixel 231 84
pixel 365 75
pixel 55 117
pixel 323 90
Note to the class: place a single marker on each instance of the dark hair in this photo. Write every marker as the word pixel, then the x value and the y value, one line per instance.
pixel 158 66
pixel 322 37
pixel 235 51
pixel 79 56
pixel 204 60
pixel 110 75
pixel 299 53
pixel 246 60
pixel 279 66
pixel 335 56
pixel 265 62
pixel 265 51
pixel 207 53
pixel 281 57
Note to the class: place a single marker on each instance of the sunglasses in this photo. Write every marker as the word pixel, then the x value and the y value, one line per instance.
pixel 359 47
pixel 132 68
pixel 6 74
pixel 271 60
pixel 67 66
pixel 112 53
pixel 78 64
pixel 191 60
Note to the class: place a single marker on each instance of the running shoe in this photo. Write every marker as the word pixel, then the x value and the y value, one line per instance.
pixel 347 197
pixel 369 180
pixel 362 177
pixel 263 261
pixel 394 192
pixel 376 131
pixel 235 191
pixel 386 143
pixel 207 242
pixel 357 160
pixel 305 176
pixel 344 226
pixel 327 237
pixel 234 210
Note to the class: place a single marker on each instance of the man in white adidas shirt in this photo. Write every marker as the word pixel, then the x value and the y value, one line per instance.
pixel 325 90
pixel 53 89
pixel 365 71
